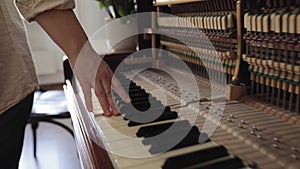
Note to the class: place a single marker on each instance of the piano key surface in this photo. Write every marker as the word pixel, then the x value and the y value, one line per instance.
pixel 234 132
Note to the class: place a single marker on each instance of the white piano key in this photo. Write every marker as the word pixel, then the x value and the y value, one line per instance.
pixel 160 159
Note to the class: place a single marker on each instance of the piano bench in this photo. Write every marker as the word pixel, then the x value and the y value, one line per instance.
pixel 47 106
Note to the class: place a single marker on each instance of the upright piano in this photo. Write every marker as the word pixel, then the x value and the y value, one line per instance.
pixel 220 89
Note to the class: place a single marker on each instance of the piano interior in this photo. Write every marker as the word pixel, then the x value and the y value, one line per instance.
pixel 235 103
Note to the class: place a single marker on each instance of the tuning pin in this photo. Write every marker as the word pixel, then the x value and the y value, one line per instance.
pixel 255 128
pixel 294 156
pixel 252 164
pixel 243 122
pixel 241 126
pixel 294 149
pixel 275 146
pixel 252 132
pixel 276 139
pixel 260 136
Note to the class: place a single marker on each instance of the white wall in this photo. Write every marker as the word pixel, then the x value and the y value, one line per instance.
pixel 90 15
pixel 47 56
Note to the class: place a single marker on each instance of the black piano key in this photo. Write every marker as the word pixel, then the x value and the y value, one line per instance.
pixel 135 96
pixel 230 161
pixel 140 99
pixel 135 113
pixel 119 102
pixel 135 102
pixel 144 100
pixel 155 111
pixel 131 88
pixel 167 108
pixel 154 103
pixel 141 103
pixel 195 157
pixel 138 115
pixel 137 93
pixel 158 146
pixel 166 115
pixel 140 95
pixel 141 106
pixel 153 130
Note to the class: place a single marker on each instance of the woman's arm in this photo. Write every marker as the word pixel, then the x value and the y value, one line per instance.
pixel 92 72
pixel 64 28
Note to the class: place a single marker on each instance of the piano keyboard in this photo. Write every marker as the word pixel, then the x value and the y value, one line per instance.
pixel 245 137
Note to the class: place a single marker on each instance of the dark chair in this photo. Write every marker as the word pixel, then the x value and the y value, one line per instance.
pixel 49 105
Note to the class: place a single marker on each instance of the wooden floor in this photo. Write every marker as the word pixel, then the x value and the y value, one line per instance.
pixel 55 148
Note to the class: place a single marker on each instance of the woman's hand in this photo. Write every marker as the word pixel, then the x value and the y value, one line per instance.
pixel 93 72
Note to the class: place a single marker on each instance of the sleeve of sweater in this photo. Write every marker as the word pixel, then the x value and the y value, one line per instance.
pixel 31 8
